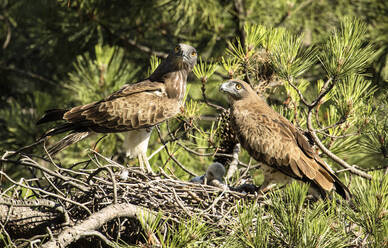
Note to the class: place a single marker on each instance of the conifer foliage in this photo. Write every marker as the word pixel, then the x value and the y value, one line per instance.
pixel 321 64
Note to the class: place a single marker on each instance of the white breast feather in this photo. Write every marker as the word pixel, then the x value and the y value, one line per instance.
pixel 136 142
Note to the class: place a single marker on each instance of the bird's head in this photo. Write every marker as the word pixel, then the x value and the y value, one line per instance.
pixel 215 171
pixel 184 56
pixel 236 89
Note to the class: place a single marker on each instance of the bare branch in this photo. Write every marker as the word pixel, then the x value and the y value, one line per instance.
pixel 99 235
pixel 144 48
pixel 9 34
pixel 24 221
pixel 341 121
pixel 203 90
pixel 112 177
pixel 132 42
pixel 240 15
pixel 94 222
pixel 329 84
pixel 289 13
pixel 331 155
pixel 299 92
pixel 171 155
pixel 26 161
pixel 31 75
pixel 233 164
pixel 45 192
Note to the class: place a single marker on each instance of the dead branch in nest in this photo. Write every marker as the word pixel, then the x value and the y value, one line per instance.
pixel 90 226
pixel 64 205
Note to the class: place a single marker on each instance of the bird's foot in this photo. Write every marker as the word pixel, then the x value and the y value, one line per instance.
pixel 145 165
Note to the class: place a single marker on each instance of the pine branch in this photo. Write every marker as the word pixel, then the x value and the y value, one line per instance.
pixel 239 16
pixel 32 75
pixel 290 13
pixel 132 42
pixel 329 84
pixel 331 155
pixel 213 105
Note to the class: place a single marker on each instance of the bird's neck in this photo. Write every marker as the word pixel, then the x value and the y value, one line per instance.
pixel 176 83
pixel 251 100
pixel 174 74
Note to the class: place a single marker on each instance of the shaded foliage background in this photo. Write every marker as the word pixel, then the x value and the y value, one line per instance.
pixel 63 53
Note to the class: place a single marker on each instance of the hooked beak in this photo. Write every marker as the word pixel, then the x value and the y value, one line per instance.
pixel 224 88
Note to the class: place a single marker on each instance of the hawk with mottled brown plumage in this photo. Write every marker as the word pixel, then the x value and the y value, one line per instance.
pixel 135 107
pixel 272 139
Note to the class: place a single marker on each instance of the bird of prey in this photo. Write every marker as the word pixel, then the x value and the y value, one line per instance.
pixel 135 107
pixel 216 171
pixel 272 139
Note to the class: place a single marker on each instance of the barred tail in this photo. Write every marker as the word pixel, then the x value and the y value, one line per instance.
pixel 77 131
pixel 67 140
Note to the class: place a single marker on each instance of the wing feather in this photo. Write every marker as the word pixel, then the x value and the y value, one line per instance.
pixel 136 106
pixel 285 135
pixel 295 168
pixel 308 168
pixel 323 179
pixel 271 138
pixel 143 86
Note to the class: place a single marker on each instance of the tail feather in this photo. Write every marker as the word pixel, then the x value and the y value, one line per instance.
pixel 78 131
pixel 66 141
pixel 340 188
pixel 52 115
pixel 59 129
pixel 324 179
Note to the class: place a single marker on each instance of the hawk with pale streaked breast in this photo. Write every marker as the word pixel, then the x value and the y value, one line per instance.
pixel 272 139
pixel 135 107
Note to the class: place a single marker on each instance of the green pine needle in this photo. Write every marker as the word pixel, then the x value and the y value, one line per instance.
pixel 345 51
pixel 203 70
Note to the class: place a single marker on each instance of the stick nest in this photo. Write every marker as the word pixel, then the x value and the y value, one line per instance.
pixel 78 193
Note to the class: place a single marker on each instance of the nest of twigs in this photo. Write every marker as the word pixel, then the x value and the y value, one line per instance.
pixel 72 196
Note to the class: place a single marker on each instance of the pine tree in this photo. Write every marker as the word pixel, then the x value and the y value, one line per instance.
pixel 321 64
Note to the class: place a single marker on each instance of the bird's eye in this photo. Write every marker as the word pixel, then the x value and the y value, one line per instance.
pixel 177 49
pixel 238 86
pixel 193 54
